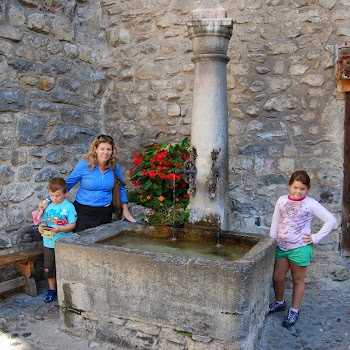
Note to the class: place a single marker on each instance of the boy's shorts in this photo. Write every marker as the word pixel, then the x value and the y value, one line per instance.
pixel 301 256
pixel 49 263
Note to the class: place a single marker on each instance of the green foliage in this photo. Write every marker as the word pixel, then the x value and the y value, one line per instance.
pixel 156 175
pixel 185 333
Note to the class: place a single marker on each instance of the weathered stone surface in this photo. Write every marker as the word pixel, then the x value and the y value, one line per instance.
pixel 6 175
pixel 39 22
pixel 19 157
pixel 281 103
pixel 17 16
pixel 6 48
pixel 46 175
pixel 12 100
pixel 60 66
pixel 71 50
pixel 119 37
pixel 30 3
pixel 32 131
pixel 329 4
pixel 25 173
pixel 62 28
pixel 5 241
pixel 10 32
pixel 313 79
pixel 15 216
pixel 19 192
pixel 40 82
pixel 72 69
pixel 22 65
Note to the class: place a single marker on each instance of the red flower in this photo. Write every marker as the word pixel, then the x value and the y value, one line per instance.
pixel 171 176
pixel 137 159
pixel 152 173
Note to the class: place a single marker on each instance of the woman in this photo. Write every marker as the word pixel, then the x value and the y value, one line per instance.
pixel 95 172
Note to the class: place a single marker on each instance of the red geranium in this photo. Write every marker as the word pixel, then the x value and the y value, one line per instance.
pixel 155 174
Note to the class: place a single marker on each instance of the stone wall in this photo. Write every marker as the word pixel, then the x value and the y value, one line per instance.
pixel 70 69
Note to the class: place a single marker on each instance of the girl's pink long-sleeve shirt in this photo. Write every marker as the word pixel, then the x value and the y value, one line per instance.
pixel 292 219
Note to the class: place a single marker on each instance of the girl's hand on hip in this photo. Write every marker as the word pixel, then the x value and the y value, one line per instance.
pixel 308 239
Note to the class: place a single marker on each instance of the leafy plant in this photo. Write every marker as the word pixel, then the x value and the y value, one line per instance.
pixel 157 177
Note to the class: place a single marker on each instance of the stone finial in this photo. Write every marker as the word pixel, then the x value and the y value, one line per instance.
pixel 209 9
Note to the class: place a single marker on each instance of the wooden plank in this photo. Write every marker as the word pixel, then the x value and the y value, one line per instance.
pixel 26 268
pixel 20 257
pixel 11 284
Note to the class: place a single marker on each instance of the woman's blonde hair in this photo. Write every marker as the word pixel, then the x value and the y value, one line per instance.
pixel 91 157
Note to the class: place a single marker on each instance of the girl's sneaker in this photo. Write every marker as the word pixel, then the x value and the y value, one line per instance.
pixel 276 306
pixel 290 319
pixel 50 296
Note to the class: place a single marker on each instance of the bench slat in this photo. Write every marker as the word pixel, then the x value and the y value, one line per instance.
pixel 11 284
pixel 12 258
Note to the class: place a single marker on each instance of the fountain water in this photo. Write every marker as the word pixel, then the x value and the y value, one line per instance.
pixel 143 299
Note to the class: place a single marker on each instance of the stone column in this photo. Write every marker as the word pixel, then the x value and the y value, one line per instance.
pixel 210 31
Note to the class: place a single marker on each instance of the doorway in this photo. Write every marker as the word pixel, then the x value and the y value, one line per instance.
pixel 345 242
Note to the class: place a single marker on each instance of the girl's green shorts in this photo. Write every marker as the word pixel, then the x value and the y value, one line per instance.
pixel 299 256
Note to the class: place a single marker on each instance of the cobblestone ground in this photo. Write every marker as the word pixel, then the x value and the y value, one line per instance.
pixel 28 323
pixel 323 324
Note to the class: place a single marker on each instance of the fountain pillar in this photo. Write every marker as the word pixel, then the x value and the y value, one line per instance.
pixel 210 31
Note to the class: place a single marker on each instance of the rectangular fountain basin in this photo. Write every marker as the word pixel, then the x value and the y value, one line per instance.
pixel 142 299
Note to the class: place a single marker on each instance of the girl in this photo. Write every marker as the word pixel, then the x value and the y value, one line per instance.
pixel 291 229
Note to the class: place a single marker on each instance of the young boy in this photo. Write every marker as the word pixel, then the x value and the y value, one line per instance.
pixel 58 220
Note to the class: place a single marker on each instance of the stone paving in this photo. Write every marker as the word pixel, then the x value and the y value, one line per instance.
pixel 323 324
pixel 28 323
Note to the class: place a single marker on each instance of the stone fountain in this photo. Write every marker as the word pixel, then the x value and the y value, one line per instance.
pixel 210 31
pixel 141 299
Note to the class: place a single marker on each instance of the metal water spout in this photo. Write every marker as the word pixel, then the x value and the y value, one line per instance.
pixel 210 31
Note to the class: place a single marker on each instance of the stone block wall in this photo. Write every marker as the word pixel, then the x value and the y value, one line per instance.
pixel 70 69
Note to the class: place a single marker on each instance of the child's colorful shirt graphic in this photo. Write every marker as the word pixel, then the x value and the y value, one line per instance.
pixel 57 216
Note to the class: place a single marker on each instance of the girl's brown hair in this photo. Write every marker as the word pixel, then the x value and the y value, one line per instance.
pixel 91 157
pixel 301 176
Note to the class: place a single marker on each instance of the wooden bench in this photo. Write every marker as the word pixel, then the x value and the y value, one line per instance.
pixel 25 266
